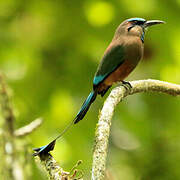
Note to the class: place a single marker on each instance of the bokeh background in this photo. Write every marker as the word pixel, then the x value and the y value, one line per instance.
pixel 49 52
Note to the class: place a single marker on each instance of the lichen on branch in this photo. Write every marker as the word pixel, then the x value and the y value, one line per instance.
pixel 104 122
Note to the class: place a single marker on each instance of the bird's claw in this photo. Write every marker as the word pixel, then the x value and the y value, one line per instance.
pixel 127 85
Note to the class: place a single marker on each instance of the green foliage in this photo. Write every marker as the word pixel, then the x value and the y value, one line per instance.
pixel 49 51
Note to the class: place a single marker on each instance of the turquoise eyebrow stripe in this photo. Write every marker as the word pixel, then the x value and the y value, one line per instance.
pixel 136 19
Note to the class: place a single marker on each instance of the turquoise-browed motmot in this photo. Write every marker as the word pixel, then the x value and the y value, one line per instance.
pixel 118 61
pixel 120 58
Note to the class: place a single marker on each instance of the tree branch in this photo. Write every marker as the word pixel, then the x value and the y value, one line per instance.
pixel 56 172
pixel 8 133
pixel 104 123
pixel 12 165
pixel 23 131
pixel 52 167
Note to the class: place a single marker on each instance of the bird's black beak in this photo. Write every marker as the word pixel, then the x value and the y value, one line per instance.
pixel 152 22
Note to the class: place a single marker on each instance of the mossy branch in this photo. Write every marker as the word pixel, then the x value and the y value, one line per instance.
pixel 8 146
pixel 11 166
pixel 104 123
pixel 56 172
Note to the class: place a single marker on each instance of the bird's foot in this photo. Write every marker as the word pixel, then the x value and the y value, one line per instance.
pixel 126 85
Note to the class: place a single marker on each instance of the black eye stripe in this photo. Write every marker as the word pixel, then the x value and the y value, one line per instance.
pixel 134 23
pixel 138 22
pixel 129 28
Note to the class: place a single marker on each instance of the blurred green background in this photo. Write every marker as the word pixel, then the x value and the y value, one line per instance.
pixel 49 52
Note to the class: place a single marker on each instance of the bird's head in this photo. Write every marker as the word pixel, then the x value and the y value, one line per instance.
pixel 136 27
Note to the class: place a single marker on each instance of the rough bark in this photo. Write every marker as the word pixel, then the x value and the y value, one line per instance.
pixel 54 170
pixel 11 163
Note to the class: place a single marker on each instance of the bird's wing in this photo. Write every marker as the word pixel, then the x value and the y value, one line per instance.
pixel 112 59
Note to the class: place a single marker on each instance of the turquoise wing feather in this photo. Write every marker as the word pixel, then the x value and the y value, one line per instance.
pixel 112 59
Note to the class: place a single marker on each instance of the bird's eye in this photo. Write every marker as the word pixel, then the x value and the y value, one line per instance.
pixel 140 22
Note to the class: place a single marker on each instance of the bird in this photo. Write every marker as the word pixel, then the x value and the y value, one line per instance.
pixel 119 59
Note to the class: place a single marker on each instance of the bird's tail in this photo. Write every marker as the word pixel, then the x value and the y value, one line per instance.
pixel 90 99
pixel 87 103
